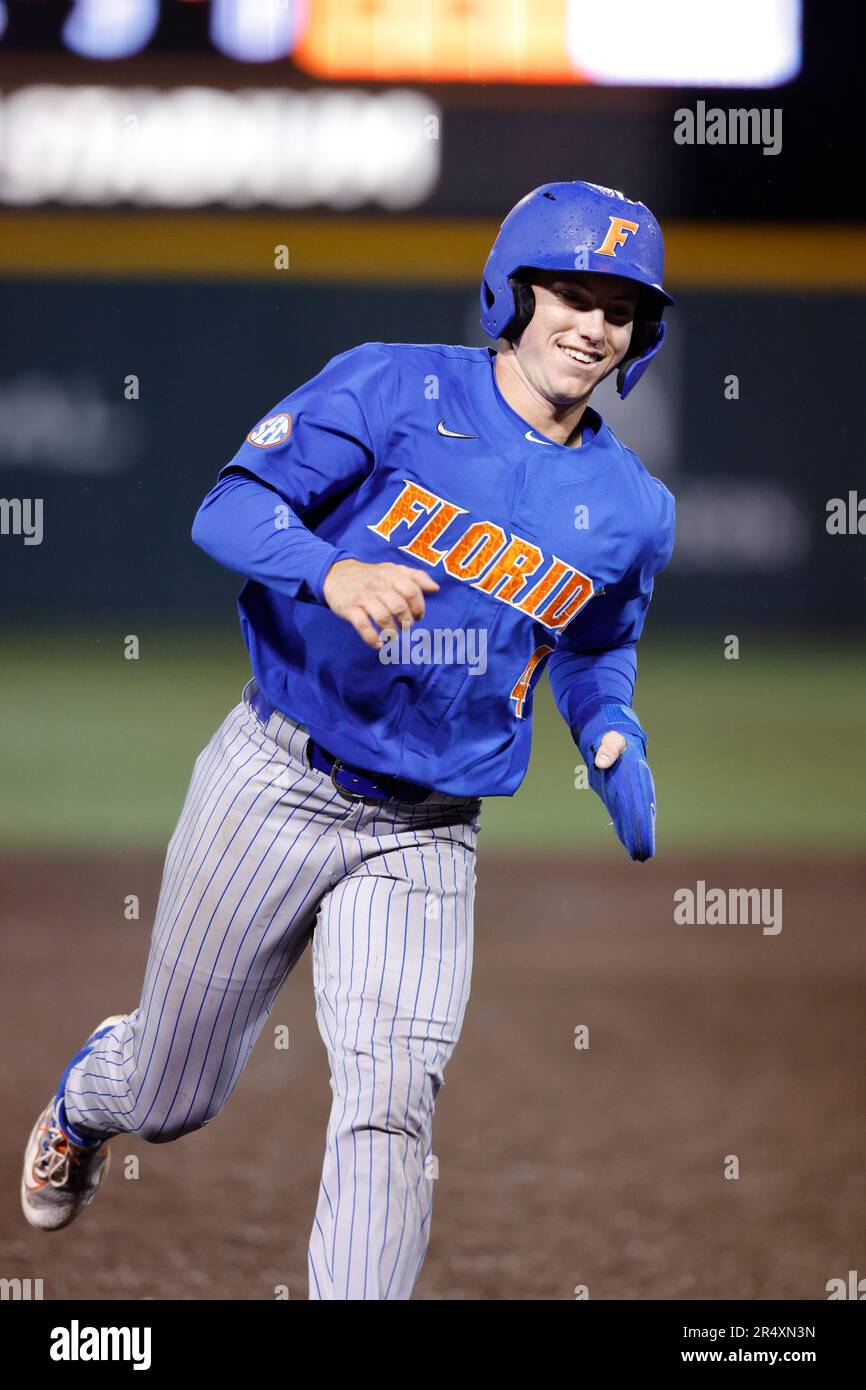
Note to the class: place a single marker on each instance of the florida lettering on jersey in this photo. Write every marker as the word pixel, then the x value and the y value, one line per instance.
pixel 483 556
pixel 366 462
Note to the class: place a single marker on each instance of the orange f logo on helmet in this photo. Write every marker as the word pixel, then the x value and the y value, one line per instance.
pixel 616 235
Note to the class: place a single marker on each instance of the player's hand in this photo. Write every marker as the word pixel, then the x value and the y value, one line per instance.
pixel 612 744
pixel 377 598
pixel 620 774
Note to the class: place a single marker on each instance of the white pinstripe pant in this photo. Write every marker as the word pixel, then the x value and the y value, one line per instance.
pixel 267 855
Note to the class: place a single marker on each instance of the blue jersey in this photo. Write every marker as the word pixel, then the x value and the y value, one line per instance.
pixel 544 554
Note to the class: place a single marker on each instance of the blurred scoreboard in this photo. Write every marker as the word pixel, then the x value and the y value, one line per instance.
pixel 631 43
pixel 390 104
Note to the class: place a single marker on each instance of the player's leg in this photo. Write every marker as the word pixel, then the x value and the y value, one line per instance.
pixel 246 868
pixel 244 875
pixel 392 960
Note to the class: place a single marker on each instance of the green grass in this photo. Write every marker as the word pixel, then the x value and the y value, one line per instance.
pixel 768 751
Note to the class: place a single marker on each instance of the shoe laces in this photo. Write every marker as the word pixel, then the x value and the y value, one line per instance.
pixel 60 1161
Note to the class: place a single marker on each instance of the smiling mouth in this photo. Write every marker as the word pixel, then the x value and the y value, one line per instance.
pixel 583 359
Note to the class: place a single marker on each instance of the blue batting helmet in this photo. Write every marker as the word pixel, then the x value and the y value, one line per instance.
pixel 578 226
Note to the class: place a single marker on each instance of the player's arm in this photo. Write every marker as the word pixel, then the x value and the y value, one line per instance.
pixel 317 443
pixel 592 674
pixel 251 527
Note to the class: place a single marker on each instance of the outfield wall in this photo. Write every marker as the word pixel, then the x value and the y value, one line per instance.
pixel 748 414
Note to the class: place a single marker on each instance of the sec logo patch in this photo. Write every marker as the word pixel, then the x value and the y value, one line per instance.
pixel 271 431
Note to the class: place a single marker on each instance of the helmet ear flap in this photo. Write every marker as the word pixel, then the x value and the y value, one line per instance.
pixel 524 308
pixel 647 338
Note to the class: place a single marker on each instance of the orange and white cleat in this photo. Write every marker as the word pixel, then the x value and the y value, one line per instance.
pixel 60 1176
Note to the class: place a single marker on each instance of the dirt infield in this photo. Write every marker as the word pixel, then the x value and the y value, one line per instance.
pixel 601 1167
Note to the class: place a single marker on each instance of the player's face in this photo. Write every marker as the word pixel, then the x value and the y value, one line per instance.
pixel 580 330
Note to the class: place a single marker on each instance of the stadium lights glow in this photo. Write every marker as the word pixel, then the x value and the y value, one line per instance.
pixel 110 28
pixel 254 31
pixel 193 146
pixel 682 43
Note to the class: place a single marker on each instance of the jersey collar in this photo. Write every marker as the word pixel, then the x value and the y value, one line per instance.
pixel 592 425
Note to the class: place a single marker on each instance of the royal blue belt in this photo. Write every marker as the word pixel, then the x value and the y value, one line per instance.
pixel 352 782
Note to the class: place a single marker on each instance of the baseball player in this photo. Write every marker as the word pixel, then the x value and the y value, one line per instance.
pixel 409 504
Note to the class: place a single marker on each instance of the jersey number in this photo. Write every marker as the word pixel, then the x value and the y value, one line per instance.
pixel 521 685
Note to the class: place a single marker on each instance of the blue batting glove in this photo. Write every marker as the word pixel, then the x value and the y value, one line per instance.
pixel 626 787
